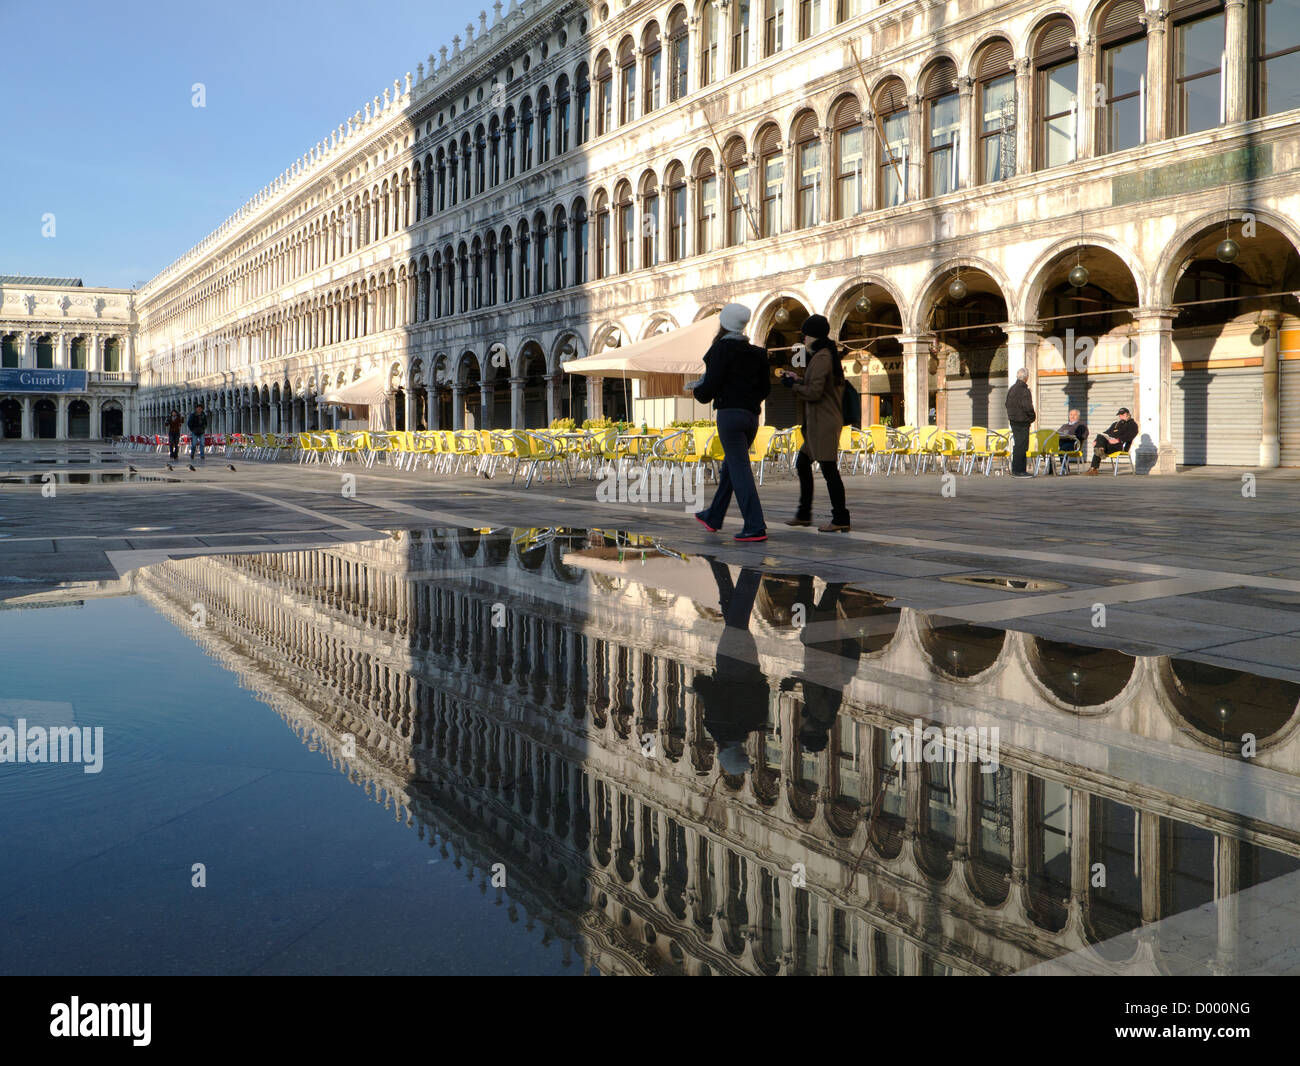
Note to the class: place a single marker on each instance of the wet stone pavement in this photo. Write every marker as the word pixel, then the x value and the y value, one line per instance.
pixel 906 749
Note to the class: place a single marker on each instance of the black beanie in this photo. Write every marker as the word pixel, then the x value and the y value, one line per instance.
pixel 817 327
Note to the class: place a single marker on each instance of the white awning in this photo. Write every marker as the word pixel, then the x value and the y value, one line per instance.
pixel 366 390
pixel 679 351
pixel 691 577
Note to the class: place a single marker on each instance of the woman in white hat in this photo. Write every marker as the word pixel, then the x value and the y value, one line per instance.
pixel 736 381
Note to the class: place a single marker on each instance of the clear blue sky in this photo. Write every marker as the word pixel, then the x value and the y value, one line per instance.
pixel 99 129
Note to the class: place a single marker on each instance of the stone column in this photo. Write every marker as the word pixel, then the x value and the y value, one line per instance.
pixel 595 398
pixel 1157 109
pixel 825 178
pixel 60 351
pixel 789 187
pixel 487 408
pixel 967 137
pixel 1022 351
pixel 458 406
pixel 96 430
pixel 1024 115
pixel 914 173
pixel 1236 90
pixel 517 402
pixel 554 383
pixel 1269 448
pixel 1153 450
pixel 790 32
pixel 61 419
pixel 1085 113
pixel 1227 888
pixel 27 431
pixel 916 392
pixel 412 407
pixel 724 40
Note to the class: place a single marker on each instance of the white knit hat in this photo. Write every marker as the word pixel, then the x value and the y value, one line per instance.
pixel 734 317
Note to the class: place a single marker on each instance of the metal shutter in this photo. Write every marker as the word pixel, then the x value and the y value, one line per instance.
pixel 1289 408
pixel 1216 416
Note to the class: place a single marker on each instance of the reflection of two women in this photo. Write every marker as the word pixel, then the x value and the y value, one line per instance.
pixel 736 695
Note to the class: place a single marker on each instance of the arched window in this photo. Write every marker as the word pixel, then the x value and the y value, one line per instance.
pixel 493 270
pixel 510 142
pixel 544 125
pixel 740 223
pixel 850 158
pixel 891 107
pixel 582 86
pixel 679 55
pixel 650 224
pixel 709 37
pixel 449 281
pixel 675 183
pixel 1198 58
pixel 563 114
pixel 560 249
pixel 604 238
pixel 581 273
pixel 525 136
pixel 626 226
pixel 739 34
pixel 467 166
pixel 706 204
pixel 771 165
pixel 541 254
pixel 1122 54
pixel 652 49
pixel 453 183
pixel 773 26
pixel 480 159
pixel 462 263
pixel 604 95
pixel 45 353
pixel 438 290
pixel 494 151
pixel 477 256
pixel 1056 75
pixel 943 125
pixel 525 268
pixel 1274 56
pixel 627 74
pixel 507 266
pixel 808 157
pixel 995 104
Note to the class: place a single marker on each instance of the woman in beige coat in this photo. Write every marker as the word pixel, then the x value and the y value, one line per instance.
pixel 821 392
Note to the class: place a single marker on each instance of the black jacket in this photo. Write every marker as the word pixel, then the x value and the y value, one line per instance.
pixel 735 375
pixel 198 422
pixel 1126 431
pixel 1020 404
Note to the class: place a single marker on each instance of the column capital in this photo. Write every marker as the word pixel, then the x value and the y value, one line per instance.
pixel 1155 314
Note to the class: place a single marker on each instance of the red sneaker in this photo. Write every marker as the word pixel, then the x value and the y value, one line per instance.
pixel 705 524
pixel 745 538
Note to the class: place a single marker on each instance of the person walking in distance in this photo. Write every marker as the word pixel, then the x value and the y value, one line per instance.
pixel 821 393
pixel 1020 415
pixel 736 381
pixel 175 423
pixel 198 426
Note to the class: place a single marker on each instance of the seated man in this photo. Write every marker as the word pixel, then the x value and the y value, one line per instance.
pixel 1117 438
pixel 1074 434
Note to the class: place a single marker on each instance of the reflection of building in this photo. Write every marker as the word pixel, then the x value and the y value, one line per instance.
pixel 523 743
pixel 66 359
pixel 1048 187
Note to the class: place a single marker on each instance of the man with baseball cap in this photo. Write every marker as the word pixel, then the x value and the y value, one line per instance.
pixel 1117 438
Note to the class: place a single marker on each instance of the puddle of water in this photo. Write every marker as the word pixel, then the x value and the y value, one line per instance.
pixel 1007 582
pixel 88 478
pixel 626 729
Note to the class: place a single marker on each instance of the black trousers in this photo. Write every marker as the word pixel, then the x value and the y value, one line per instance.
pixel 834 485
pixel 1019 447
pixel 1101 446
pixel 174 442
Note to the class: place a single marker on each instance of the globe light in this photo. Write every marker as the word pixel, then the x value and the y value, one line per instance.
pixel 863 305
pixel 782 316
pixel 957 289
pixel 856 368
pixel 1079 276
pixel 1227 251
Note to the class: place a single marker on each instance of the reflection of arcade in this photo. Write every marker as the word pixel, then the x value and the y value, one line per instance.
pixel 521 743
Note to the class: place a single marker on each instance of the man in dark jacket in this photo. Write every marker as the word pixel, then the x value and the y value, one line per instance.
pixel 737 381
pixel 198 426
pixel 1020 415
pixel 1117 438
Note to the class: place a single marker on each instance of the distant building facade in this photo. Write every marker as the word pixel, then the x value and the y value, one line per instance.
pixel 67 359
pixel 1100 192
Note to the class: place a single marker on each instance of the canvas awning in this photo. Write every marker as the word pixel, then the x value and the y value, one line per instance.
pixel 679 351
pixel 366 390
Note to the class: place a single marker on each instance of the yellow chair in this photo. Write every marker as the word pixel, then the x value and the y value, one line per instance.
pixel 855 443
pixel 1044 446
pixel 758 450
pixel 539 452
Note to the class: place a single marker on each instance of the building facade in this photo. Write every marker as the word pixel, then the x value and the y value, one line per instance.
pixel 1101 192
pixel 67 360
